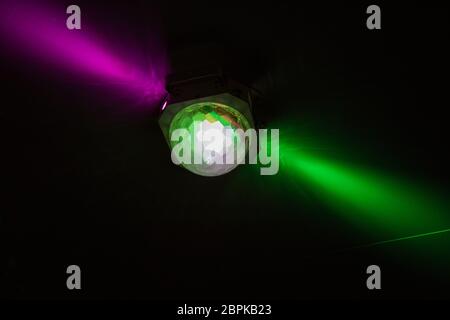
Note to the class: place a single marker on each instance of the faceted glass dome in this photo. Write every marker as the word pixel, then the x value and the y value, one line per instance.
pixel 212 137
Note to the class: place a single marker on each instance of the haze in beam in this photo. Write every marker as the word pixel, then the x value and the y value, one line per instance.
pixel 375 202
pixel 39 33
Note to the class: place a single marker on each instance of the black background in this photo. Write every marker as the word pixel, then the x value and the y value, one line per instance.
pixel 85 184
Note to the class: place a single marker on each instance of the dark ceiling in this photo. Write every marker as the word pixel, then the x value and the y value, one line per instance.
pixel 87 185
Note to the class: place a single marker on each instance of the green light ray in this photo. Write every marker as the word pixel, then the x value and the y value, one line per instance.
pixel 371 200
pixel 416 236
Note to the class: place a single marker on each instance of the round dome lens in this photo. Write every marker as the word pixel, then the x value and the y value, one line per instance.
pixel 212 136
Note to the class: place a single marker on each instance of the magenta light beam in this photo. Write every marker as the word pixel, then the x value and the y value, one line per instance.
pixel 41 33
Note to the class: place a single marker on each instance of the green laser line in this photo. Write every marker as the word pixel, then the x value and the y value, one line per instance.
pixel 421 235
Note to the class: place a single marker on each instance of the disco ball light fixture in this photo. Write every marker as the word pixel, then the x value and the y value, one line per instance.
pixel 202 106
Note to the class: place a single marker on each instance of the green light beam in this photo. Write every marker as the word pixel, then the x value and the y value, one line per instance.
pixel 370 199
